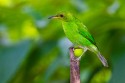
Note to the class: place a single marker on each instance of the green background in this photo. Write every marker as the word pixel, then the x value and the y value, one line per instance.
pixel 34 49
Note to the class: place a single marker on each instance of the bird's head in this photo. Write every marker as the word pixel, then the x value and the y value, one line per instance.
pixel 63 16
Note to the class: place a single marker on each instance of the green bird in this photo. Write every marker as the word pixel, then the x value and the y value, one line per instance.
pixel 78 34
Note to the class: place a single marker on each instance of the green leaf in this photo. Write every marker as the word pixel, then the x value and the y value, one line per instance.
pixel 11 59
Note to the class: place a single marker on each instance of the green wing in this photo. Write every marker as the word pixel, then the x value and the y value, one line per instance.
pixel 85 33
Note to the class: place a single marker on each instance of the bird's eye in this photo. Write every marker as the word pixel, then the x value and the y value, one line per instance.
pixel 61 15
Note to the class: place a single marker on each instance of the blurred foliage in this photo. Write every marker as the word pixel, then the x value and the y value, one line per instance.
pixel 34 49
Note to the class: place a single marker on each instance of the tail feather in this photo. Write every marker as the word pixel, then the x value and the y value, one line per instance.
pixel 94 49
pixel 102 59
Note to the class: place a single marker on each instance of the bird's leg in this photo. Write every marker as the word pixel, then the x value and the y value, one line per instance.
pixel 79 47
pixel 79 58
pixel 85 49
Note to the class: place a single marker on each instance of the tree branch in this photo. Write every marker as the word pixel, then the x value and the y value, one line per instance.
pixel 74 68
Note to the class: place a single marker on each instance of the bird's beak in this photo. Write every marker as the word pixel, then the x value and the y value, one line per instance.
pixel 51 17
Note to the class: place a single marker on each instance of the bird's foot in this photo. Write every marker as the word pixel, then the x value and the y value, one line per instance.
pixel 78 58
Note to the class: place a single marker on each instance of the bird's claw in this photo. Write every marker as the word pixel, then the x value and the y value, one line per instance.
pixel 77 59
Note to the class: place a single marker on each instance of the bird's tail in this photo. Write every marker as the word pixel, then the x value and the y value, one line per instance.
pixel 102 59
pixel 94 49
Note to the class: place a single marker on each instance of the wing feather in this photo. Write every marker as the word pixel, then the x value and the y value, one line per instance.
pixel 82 29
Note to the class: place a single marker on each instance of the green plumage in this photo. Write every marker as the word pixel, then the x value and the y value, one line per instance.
pixel 78 34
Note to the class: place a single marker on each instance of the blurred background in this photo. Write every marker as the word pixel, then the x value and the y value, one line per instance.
pixel 34 49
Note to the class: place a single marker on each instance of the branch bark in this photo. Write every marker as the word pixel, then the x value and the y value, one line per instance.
pixel 74 68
